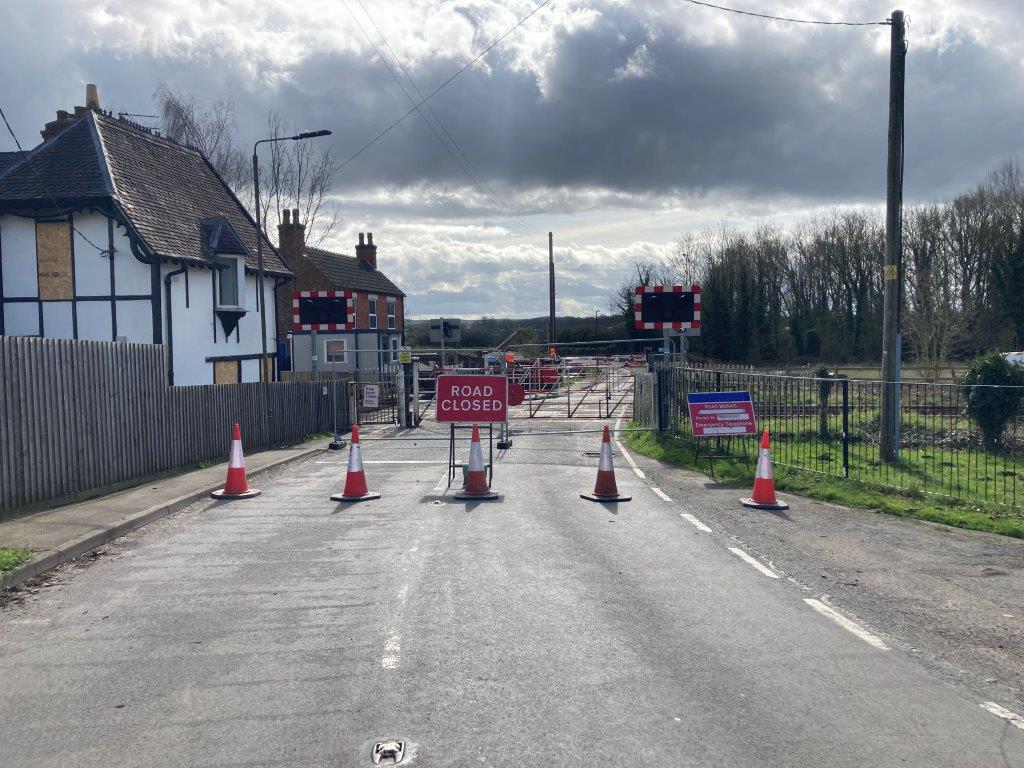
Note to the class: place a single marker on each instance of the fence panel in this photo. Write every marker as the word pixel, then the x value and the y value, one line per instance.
pixel 80 418
pixel 831 426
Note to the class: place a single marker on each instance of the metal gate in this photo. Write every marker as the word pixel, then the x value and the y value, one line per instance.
pixel 576 387
pixel 374 396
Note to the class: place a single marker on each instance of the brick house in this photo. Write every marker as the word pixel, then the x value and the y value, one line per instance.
pixel 372 335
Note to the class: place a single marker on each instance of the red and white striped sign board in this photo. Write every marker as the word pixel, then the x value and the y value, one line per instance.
pixel 323 311
pixel 657 307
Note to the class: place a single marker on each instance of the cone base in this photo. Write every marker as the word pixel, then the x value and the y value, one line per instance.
pixel 595 497
pixel 758 505
pixel 222 494
pixel 487 496
pixel 365 497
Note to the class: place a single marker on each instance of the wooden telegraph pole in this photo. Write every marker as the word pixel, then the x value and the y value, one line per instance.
pixel 891 340
pixel 551 289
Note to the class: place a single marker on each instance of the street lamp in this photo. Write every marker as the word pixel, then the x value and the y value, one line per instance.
pixel 260 303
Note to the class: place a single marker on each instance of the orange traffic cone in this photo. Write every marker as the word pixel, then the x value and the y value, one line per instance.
pixel 237 485
pixel 605 488
pixel 763 496
pixel 355 480
pixel 476 487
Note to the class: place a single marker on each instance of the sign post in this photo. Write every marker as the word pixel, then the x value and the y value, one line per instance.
pixel 469 399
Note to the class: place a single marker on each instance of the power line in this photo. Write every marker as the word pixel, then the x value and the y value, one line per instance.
pixel 789 19
pixel 28 164
pixel 434 92
pixel 501 208
pixel 501 202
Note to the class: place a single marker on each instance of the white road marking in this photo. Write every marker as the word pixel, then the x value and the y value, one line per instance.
pixel 847 624
pixel 661 494
pixel 694 522
pixel 1011 717
pixel 625 454
pixel 393 647
pixel 442 484
pixel 751 561
pixel 397 461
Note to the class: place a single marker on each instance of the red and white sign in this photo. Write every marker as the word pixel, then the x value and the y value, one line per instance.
pixel 660 307
pixel 716 414
pixel 323 311
pixel 472 398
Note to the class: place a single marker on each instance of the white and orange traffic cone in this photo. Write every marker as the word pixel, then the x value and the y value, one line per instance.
pixel 237 484
pixel 355 478
pixel 476 487
pixel 605 488
pixel 763 495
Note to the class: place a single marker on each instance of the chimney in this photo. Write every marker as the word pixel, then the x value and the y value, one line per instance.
pixel 367 251
pixel 291 239
pixel 65 118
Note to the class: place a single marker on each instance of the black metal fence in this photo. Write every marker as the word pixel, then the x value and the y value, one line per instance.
pixel 831 426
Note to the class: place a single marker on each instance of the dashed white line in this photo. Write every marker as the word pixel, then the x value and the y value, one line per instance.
pixel 442 484
pixel 393 647
pixel 755 563
pixel 1011 717
pixel 661 494
pixel 694 522
pixel 625 454
pixel 847 624
pixel 397 461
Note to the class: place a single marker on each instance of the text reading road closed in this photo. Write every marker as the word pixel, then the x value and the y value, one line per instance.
pixel 472 398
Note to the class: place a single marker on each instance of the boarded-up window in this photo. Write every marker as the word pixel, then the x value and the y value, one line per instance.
pixel 53 260
pixel 225 371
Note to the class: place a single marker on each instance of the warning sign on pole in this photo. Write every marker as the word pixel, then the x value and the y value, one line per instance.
pixel 721 413
pixel 472 398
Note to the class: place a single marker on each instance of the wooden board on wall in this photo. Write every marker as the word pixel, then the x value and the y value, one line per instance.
pixel 53 260
pixel 225 372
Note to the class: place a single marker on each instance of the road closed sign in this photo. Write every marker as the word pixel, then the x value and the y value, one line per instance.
pixel 472 398
pixel 714 414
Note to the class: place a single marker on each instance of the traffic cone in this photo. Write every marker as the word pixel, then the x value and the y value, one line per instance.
pixel 237 485
pixel 763 496
pixel 355 480
pixel 605 488
pixel 476 487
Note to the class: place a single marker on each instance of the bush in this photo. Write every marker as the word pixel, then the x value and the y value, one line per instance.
pixel 994 394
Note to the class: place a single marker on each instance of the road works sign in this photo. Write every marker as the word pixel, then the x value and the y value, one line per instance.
pixel 472 398
pixel 721 413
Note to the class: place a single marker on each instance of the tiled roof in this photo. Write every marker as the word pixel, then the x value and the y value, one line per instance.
pixel 348 273
pixel 166 190
pixel 7 159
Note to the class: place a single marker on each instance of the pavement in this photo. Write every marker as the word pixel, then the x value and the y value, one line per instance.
pixel 63 533
pixel 540 629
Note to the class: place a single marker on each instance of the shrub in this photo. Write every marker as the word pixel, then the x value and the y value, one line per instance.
pixel 995 389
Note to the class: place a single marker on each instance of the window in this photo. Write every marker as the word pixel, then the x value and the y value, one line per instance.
pixel 336 351
pixel 394 350
pixel 391 313
pixel 228 295
pixel 373 313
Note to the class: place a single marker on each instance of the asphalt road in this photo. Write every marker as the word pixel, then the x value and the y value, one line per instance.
pixel 541 629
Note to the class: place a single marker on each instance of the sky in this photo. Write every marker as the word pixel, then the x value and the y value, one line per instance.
pixel 619 125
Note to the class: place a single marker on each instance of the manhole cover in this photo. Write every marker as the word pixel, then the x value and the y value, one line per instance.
pixel 388 752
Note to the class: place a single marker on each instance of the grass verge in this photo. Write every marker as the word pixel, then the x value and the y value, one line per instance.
pixel 851 493
pixel 12 558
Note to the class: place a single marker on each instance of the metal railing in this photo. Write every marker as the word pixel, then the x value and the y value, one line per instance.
pixel 831 426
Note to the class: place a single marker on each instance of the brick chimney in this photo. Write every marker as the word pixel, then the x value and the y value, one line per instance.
pixel 291 239
pixel 65 118
pixel 367 251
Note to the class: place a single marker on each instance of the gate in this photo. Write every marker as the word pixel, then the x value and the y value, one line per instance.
pixel 576 387
pixel 374 397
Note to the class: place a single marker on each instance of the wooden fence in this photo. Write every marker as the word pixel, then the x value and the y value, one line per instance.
pixel 80 418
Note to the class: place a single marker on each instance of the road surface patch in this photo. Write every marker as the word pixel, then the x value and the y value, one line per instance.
pixel 754 563
pixel 848 624
pixel 1011 717
pixel 694 522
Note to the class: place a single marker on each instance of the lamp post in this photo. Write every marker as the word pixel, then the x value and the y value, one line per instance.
pixel 260 303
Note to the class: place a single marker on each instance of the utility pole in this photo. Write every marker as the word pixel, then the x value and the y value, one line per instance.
pixel 891 339
pixel 551 289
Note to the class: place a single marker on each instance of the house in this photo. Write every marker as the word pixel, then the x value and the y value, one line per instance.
pixel 343 313
pixel 110 232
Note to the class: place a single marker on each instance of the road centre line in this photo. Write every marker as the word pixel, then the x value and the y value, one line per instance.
pixel 694 522
pixel 625 454
pixel 1011 717
pixel 847 624
pixel 393 647
pixel 398 461
pixel 755 563
pixel 661 494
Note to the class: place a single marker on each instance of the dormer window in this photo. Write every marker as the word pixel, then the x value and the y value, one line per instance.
pixel 229 282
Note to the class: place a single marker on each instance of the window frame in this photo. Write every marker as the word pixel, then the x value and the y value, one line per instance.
pixel 392 313
pixel 394 349
pixel 371 314
pixel 237 271
pixel 344 355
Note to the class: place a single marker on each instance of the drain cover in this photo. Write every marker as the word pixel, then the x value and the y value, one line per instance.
pixel 389 752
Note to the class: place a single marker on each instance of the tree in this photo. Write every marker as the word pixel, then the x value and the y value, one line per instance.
pixel 621 304
pixel 995 390
pixel 297 174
